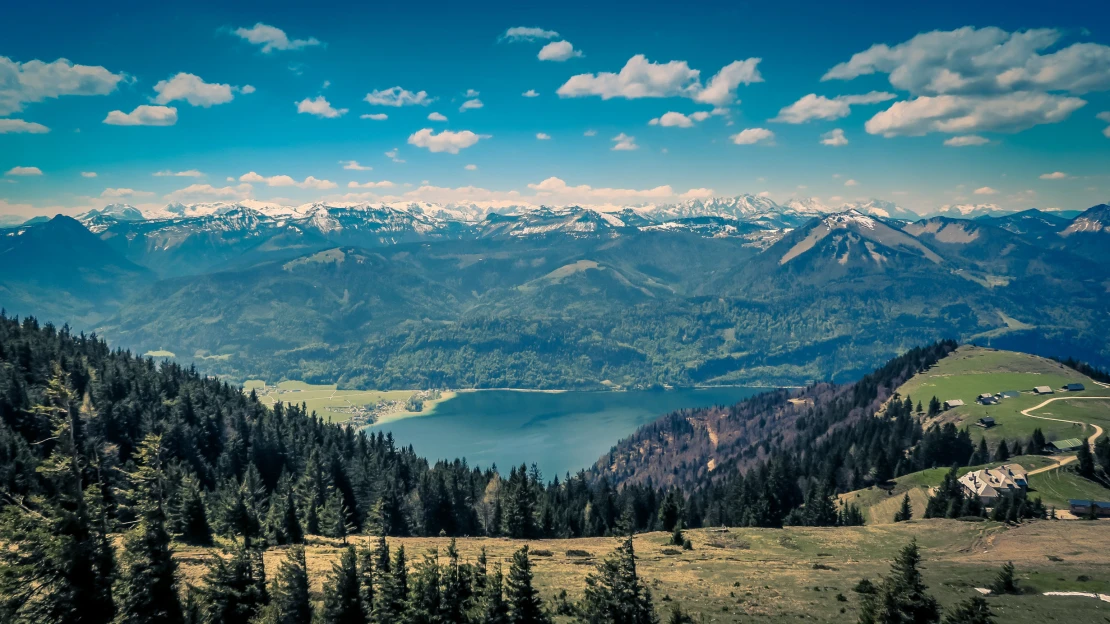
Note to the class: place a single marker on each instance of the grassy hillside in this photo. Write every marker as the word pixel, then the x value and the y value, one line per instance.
pixel 972 370
pixel 784 575
pixel 1057 487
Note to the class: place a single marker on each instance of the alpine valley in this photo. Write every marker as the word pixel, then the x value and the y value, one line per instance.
pixel 732 290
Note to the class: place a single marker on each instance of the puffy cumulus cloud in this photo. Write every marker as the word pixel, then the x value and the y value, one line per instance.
pixel 193 89
pixel 674 120
pixel 834 138
pixel 88 174
pixel 370 185
pixel 207 192
pixel 851 183
pixel 434 116
pixel 35 81
pixel 526 33
pixel 983 61
pixel 985 190
pixel 750 136
pixel 1105 116
pixel 471 167
pixel 721 90
pixel 143 116
pixel 121 193
pixel 530 93
pixel 966 140
pixel 273 38
pixel 374 116
pixel 19 126
pixel 470 105
pixel 398 97
pixel 166 173
pixel 624 143
pixel 1055 175
pixel 698 193
pixel 556 191
pixel 815 106
pixel 320 107
pixel 641 78
pixel 543 136
pixel 471 93
pixel 284 180
pixel 352 165
pixel 23 171
pixel 957 114
pixel 446 141
pixel 558 51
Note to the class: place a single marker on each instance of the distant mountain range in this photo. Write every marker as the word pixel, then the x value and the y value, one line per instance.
pixel 730 290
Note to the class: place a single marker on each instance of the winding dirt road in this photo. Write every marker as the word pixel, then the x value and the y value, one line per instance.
pixel 1062 461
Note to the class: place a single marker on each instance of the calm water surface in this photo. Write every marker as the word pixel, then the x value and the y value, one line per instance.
pixel 561 432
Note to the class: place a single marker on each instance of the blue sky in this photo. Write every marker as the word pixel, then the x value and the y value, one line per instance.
pixel 1014 88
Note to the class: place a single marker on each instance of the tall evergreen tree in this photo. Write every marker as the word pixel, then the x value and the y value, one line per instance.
pixel 494 608
pixel 615 593
pixel 524 602
pixel 146 590
pixel 234 588
pixel 290 602
pixel 342 599
pixel 190 522
pixel 902 596
pixel 974 610
pixel 425 603
pixel 1085 461
pixel 905 512
pixel 1006 581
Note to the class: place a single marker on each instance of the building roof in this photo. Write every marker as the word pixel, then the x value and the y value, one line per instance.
pixel 1085 503
pixel 1075 386
pixel 991 481
pixel 1010 394
pixel 985 395
pixel 954 402
pixel 987 419
pixel 1043 390
pixel 1068 444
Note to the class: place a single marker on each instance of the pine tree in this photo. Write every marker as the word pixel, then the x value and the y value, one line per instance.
pixel 234 588
pixel 1002 453
pixel 678 616
pixel 425 603
pixel 1038 441
pixel 902 596
pixel 366 579
pixel 906 511
pixel 146 590
pixel 57 562
pixel 615 594
pixel 457 586
pixel 524 602
pixel 494 608
pixel 191 521
pixel 290 602
pixel 1006 581
pixel 333 517
pixel 934 406
pixel 677 537
pixel 342 600
pixel 974 610
pixel 982 455
pixel 1085 464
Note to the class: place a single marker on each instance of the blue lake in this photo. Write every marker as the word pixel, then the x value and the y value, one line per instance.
pixel 561 432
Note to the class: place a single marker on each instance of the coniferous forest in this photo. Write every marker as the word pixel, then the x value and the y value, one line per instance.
pixel 106 459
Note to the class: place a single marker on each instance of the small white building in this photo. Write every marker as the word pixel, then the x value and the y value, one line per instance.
pixel 993 483
pixel 1043 390
pixel 950 403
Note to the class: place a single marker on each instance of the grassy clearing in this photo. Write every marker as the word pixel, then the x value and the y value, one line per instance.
pixel 971 371
pixel 1057 487
pixel 333 404
pixel 770 574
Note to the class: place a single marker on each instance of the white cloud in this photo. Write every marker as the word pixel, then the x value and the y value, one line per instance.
pixel 471 93
pixel 815 106
pixel 398 97
pixel 320 107
pixel 191 173
pixel 590 133
pixel 1104 116
pixel 624 143
pixel 470 104
pixel 193 90
pixel 673 120
pixel 968 114
pixel 698 193
pixel 543 136
pixel 851 183
pixel 35 81
pixel 374 116
pixel 143 116
pixel 985 61
pixel 88 174
pixel 471 167
pixel 352 165
pixel 834 138
pixel 207 192
pixel 434 116
pixel 985 190
pixel 284 180
pixel 764 193
pixel 392 155
pixel 721 90
pixel 120 193
pixel 272 38
pixel 966 140
pixel 558 191
pixel 370 185
pixel 19 126
pixel 530 93
pixel 524 33
pixel 23 171
pixel 558 51
pixel 751 136
pixel 246 89
pixel 1055 175
pixel 641 78
pixel 446 141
